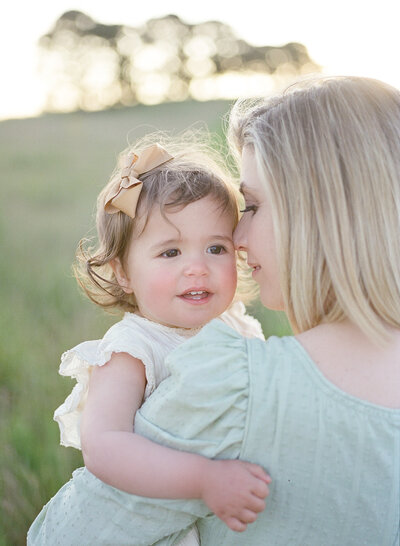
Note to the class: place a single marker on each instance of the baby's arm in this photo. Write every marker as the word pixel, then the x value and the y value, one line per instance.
pixel 233 490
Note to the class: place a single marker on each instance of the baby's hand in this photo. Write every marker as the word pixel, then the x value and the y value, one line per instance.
pixel 235 491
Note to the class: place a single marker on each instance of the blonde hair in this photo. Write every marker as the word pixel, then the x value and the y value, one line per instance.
pixel 328 153
pixel 193 173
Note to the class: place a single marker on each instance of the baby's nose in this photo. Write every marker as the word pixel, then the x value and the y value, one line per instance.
pixel 196 267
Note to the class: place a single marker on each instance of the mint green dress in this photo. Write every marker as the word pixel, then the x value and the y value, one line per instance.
pixel 334 459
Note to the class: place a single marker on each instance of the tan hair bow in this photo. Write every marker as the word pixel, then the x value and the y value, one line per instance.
pixel 124 194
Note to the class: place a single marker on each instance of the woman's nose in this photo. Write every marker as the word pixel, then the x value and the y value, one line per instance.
pixel 239 238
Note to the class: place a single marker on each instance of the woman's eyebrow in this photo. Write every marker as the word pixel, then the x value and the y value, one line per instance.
pixel 244 188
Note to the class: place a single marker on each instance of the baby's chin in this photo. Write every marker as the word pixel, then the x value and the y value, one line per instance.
pixel 192 324
pixel 191 319
pixel 178 324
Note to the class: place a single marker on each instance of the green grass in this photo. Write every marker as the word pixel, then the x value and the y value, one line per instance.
pixel 51 170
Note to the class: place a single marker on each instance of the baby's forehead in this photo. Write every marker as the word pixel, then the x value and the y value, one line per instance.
pixel 208 204
pixel 204 215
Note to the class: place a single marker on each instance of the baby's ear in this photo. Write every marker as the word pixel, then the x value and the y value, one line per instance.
pixel 120 275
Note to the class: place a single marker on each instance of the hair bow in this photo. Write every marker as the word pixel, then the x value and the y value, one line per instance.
pixel 125 196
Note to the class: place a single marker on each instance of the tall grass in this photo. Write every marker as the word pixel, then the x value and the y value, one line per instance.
pixel 51 170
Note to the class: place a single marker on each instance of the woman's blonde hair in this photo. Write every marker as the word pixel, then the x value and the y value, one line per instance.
pixel 328 153
pixel 194 172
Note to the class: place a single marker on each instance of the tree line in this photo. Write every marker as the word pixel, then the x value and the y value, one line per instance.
pixel 90 65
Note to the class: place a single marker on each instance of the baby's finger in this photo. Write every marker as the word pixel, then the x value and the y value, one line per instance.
pixel 255 504
pixel 259 472
pixel 236 525
pixel 260 489
pixel 247 516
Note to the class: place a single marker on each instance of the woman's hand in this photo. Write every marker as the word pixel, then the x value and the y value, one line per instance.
pixel 234 491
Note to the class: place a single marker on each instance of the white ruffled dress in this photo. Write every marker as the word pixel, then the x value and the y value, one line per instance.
pixel 143 339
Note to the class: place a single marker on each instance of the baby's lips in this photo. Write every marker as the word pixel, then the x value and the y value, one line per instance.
pixel 195 291
pixel 195 294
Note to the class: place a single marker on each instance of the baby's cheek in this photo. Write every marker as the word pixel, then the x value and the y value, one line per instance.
pixel 160 283
pixel 230 277
pixel 232 274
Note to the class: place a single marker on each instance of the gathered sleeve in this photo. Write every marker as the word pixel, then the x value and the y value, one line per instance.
pixel 202 406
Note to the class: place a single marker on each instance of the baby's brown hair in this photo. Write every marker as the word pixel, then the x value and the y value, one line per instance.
pixel 194 172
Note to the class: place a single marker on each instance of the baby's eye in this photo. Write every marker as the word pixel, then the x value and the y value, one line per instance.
pixel 216 249
pixel 171 253
pixel 250 208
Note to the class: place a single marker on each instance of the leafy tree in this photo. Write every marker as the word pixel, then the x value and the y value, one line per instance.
pixel 90 65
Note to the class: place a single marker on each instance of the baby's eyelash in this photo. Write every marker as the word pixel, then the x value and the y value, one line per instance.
pixel 170 253
pixel 216 249
pixel 250 208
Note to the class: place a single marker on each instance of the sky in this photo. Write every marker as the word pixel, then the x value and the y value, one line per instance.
pixel 345 37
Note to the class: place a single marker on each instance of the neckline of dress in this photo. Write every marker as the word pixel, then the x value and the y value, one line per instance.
pixel 184 332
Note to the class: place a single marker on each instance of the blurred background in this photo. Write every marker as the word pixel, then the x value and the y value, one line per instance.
pixel 78 82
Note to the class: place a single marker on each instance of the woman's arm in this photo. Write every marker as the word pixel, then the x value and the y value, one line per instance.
pixel 233 490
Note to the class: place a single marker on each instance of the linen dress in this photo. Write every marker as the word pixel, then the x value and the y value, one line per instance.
pixel 334 459
pixel 151 343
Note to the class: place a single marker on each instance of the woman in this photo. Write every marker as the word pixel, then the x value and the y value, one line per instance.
pixel 320 174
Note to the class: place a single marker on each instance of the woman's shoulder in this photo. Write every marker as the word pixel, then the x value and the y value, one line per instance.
pixel 275 364
pixel 222 345
pixel 222 333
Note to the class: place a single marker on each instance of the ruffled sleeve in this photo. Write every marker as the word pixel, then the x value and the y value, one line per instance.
pixel 79 362
pixel 202 407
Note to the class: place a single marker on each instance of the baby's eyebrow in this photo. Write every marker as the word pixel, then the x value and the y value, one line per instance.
pixel 176 242
pixel 220 238
pixel 167 242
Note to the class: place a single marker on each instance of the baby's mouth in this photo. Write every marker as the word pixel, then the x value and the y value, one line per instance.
pixel 195 295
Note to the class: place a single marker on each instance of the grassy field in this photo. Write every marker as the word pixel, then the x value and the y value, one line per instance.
pixel 51 170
